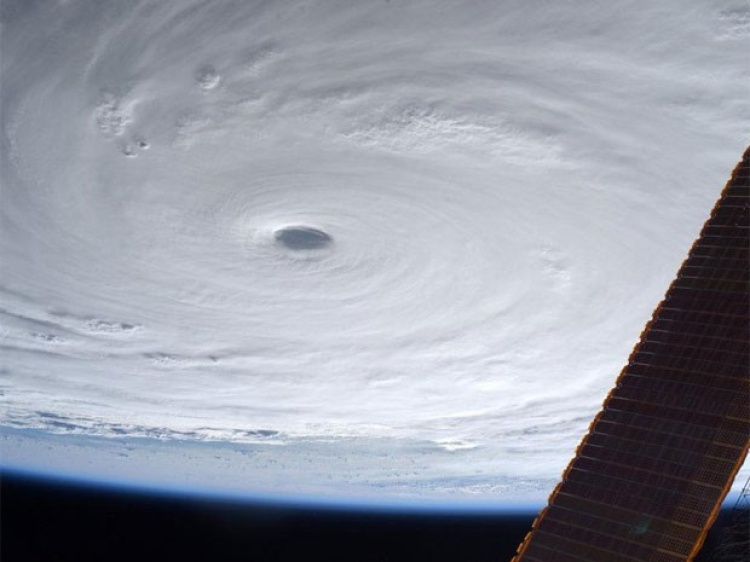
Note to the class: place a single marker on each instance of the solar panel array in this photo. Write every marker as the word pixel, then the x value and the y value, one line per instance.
pixel 648 479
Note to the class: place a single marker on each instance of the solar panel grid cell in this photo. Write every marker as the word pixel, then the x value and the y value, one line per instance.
pixel 596 549
pixel 566 530
pixel 668 451
pixel 731 431
pixel 637 466
pixel 681 390
pixel 710 368
pixel 739 191
pixel 651 494
pixel 740 184
pixel 663 557
pixel 732 384
pixel 545 554
pixel 726 241
pixel 730 216
pixel 692 377
pixel 734 201
pixel 639 528
pixel 622 498
pixel 715 266
pixel 706 301
pixel 696 351
pixel 710 272
pixel 703 341
pixel 738 286
pixel 584 506
pixel 695 438
pixel 737 254
pixel 649 479
pixel 713 320
pixel 691 401
pixel 689 517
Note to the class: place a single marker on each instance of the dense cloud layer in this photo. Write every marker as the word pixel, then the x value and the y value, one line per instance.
pixel 435 225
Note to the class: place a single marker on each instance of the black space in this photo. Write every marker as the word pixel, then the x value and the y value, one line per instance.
pixel 43 520
pixel 49 521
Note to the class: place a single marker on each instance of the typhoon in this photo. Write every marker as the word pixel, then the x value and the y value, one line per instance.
pixel 344 248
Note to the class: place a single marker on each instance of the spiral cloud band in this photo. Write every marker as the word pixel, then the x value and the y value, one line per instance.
pixel 391 248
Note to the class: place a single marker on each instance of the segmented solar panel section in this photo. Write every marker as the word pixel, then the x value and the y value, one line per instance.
pixel 648 479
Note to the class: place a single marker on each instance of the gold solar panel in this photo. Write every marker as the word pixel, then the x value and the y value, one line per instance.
pixel 648 479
